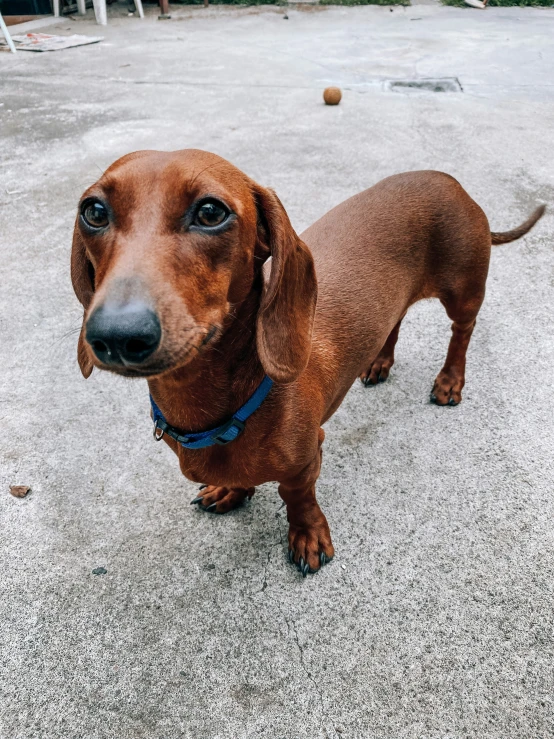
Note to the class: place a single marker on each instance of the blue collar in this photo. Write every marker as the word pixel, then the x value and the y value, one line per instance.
pixel 223 434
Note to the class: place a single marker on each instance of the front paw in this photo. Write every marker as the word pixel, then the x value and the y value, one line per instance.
pixel 216 499
pixel 378 372
pixel 310 547
pixel 447 389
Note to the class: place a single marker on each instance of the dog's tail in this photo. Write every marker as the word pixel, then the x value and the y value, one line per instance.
pixel 506 236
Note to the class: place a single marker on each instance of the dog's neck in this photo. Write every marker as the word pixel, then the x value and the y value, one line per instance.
pixel 224 376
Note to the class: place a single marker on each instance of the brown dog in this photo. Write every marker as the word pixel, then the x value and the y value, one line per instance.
pixel 192 276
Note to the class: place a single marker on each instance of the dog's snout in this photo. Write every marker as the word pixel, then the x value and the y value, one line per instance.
pixel 123 334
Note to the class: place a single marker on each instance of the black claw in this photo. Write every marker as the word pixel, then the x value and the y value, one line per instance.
pixel 211 508
pixel 198 499
pixel 202 487
pixel 452 402
pixel 305 569
pixel 301 564
pixel 291 556
pixel 433 398
pixel 322 559
pixel 381 378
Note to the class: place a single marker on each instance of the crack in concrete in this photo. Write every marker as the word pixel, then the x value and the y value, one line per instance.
pixel 278 517
pixel 264 583
pixel 291 629
pixel 308 674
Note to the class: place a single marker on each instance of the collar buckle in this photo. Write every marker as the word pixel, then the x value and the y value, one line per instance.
pixel 221 438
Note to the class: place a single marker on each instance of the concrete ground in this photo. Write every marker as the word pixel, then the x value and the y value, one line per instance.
pixel 435 619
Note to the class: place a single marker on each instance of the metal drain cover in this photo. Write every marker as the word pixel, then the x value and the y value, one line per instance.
pixel 426 84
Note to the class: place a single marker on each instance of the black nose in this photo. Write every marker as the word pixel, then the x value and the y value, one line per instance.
pixel 123 334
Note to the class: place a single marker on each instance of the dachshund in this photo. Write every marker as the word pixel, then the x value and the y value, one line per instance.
pixel 249 336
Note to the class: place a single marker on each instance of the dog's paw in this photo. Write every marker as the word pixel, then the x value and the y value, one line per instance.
pixel 216 499
pixel 447 389
pixel 378 372
pixel 310 548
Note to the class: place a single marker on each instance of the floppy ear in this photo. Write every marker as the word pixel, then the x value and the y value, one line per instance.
pixel 289 296
pixel 82 277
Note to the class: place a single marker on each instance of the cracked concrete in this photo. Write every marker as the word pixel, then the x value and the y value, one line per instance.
pixel 435 617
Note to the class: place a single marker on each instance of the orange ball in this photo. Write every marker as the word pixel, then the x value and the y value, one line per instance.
pixel 332 95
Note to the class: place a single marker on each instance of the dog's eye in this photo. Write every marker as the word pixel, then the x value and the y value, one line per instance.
pixel 95 214
pixel 211 214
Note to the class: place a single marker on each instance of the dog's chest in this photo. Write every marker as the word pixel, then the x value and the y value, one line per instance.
pixel 250 460
pixel 234 465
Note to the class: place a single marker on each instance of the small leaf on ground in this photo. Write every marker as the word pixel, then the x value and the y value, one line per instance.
pixel 19 491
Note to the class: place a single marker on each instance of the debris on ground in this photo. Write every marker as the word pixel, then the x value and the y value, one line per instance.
pixel 47 42
pixel 19 491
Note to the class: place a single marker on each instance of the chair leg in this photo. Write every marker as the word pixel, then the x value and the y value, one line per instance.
pixel 100 12
pixel 138 4
pixel 56 4
pixel 7 34
pixel 81 6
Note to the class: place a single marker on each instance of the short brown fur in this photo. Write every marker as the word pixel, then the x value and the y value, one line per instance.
pixel 230 313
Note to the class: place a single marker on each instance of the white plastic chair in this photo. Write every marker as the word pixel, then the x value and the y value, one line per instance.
pixel 7 33
pixel 100 10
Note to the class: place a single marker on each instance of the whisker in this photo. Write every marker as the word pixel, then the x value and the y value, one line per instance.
pixel 213 164
pixel 236 318
pixel 66 335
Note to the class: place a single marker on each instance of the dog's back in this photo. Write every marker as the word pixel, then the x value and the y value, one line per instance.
pixel 409 237
pixel 394 238
pixel 412 236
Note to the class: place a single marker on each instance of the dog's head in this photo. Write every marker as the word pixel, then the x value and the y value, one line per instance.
pixel 165 246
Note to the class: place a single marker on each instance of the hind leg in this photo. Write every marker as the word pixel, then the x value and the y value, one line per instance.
pixel 447 389
pixel 382 364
